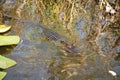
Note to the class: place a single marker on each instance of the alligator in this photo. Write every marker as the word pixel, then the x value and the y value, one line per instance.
pixel 54 36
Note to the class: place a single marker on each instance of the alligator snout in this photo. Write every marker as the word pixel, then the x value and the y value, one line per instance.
pixel 70 48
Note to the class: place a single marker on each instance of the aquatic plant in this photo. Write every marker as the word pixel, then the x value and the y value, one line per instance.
pixel 4 41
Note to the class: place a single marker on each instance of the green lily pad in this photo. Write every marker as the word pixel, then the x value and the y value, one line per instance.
pixel 2 75
pixel 6 62
pixel 9 40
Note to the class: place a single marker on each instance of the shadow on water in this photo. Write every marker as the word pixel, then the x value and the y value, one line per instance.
pixel 6 50
pixel 47 53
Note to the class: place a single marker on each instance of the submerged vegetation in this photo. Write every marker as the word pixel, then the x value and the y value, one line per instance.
pixel 91 25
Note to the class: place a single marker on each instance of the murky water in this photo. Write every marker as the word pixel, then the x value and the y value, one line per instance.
pixel 40 58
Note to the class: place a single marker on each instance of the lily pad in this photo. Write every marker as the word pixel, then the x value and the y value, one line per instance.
pixel 6 62
pixel 4 28
pixel 2 75
pixel 9 40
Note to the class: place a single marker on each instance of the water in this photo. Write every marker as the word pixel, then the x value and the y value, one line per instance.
pixel 42 57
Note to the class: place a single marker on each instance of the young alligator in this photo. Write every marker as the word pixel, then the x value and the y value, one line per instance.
pixel 54 36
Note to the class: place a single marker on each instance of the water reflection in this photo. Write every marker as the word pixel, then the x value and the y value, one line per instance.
pixel 65 67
